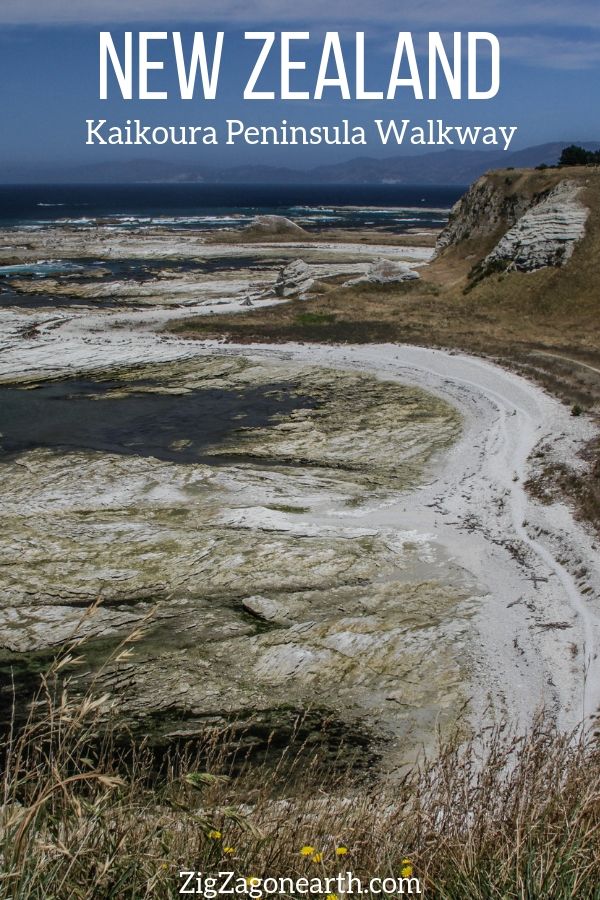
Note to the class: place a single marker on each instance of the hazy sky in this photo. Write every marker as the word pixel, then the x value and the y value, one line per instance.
pixel 49 72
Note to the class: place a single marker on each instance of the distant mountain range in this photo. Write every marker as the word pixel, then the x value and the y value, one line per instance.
pixel 458 167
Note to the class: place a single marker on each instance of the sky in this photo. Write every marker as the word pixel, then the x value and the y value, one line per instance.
pixel 49 73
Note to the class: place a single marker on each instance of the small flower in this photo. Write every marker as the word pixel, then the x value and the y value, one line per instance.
pixel 228 850
pixel 332 897
pixel 215 835
pixel 407 869
pixel 317 858
pixel 341 851
pixel 307 850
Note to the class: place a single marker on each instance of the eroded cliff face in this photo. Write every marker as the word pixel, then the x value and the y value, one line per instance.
pixel 545 235
pixel 520 221
pixel 481 213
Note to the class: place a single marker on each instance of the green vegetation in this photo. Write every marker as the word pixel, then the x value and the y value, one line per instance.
pixel 578 156
pixel 315 318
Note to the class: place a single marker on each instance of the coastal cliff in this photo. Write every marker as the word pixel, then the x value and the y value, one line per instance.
pixel 519 221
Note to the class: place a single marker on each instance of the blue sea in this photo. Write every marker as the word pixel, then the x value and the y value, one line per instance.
pixel 391 208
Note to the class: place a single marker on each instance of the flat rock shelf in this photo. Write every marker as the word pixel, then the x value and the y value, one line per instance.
pixel 337 536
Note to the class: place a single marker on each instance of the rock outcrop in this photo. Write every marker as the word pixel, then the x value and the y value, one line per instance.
pixel 487 207
pixel 274 225
pixel 386 271
pixel 545 235
pixel 516 222
pixel 265 605
pixel 295 279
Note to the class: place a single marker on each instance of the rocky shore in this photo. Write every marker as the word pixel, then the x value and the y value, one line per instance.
pixel 336 533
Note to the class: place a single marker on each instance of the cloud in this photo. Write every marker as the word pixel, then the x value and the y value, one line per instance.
pixel 553 34
pixel 553 52
pixel 460 13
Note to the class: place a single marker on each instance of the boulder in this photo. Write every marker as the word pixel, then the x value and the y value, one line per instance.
pixel 386 271
pixel 274 225
pixel 294 279
pixel 265 609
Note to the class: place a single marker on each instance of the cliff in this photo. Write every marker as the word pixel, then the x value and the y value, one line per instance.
pixel 528 230
pixel 545 235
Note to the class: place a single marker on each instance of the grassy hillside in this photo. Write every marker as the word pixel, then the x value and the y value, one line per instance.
pixel 542 302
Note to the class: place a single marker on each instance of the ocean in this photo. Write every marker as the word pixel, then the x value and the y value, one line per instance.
pixel 390 207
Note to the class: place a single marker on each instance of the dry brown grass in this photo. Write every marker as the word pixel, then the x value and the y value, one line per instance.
pixel 249 236
pixel 504 816
pixel 505 314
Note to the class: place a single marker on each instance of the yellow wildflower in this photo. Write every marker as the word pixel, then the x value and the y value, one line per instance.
pixel 228 849
pixel 317 858
pixel 253 881
pixel 307 850
pixel 215 835
pixel 332 897
pixel 407 869
pixel 341 851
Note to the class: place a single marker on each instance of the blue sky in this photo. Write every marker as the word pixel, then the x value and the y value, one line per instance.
pixel 49 72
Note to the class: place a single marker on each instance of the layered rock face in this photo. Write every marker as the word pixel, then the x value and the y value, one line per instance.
pixel 521 230
pixel 481 211
pixel 546 234
pixel 295 279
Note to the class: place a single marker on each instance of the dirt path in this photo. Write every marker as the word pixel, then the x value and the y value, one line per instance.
pixel 569 359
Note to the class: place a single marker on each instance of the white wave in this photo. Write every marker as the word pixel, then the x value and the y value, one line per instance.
pixel 394 210
pixel 84 220
pixel 312 209
pixel 41 267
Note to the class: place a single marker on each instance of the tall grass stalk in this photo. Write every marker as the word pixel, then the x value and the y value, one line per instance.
pixel 86 816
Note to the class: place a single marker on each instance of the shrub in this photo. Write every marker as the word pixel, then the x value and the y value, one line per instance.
pixel 578 156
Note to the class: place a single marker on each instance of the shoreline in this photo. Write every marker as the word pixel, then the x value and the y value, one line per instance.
pixel 533 614
pixel 531 664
